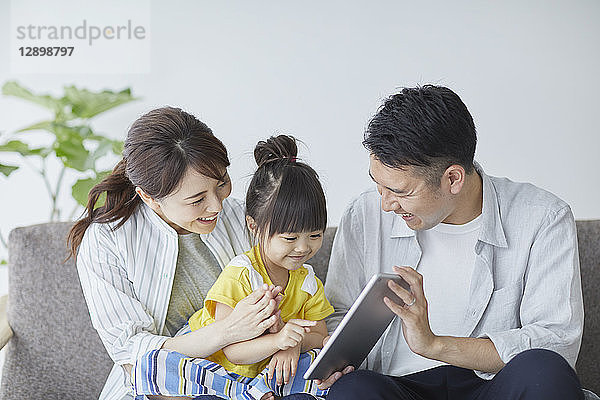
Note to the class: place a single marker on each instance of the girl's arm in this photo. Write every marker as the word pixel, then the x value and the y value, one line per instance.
pixel 255 350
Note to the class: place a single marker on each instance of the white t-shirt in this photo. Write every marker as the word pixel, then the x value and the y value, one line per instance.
pixel 446 265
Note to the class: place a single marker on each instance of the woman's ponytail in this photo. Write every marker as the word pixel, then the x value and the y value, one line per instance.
pixel 119 204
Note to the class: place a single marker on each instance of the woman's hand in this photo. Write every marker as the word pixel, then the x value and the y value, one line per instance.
pixel 292 333
pixel 253 315
pixel 283 365
pixel 278 325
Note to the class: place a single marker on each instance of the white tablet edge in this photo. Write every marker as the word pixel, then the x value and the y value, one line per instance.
pixel 343 323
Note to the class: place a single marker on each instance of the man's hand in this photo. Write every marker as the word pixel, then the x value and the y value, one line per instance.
pixel 471 353
pixel 327 383
pixel 414 316
pixel 283 365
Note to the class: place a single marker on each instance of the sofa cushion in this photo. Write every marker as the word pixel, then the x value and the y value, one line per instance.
pixel 55 352
pixel 588 363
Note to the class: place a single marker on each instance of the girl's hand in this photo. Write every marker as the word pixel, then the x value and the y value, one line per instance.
pixel 292 333
pixel 283 365
pixel 253 315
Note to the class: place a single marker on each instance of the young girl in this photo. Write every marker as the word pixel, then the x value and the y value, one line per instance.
pixel 286 212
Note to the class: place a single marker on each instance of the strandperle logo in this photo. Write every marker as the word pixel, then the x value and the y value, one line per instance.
pixel 90 33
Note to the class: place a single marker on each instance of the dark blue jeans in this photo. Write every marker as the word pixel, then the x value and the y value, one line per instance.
pixel 532 375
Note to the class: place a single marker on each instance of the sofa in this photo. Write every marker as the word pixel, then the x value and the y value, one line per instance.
pixel 52 351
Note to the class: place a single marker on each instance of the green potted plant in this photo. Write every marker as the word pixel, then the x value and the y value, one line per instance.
pixel 72 139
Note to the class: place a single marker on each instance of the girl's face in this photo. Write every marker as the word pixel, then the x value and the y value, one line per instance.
pixel 290 250
pixel 195 205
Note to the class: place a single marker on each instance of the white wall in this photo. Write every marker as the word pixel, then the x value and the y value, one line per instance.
pixel 528 71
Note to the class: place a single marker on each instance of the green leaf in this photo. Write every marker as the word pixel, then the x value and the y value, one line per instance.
pixel 87 104
pixel 12 88
pixel 70 150
pixel 117 147
pixel 103 147
pixel 16 146
pixel 6 170
pixel 82 187
pixel 44 125
pixel 63 131
pixel 3 262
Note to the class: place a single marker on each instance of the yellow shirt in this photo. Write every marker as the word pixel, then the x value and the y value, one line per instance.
pixel 304 298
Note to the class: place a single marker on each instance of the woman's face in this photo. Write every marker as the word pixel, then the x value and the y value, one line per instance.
pixel 195 205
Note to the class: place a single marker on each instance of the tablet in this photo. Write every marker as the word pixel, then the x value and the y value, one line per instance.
pixel 360 329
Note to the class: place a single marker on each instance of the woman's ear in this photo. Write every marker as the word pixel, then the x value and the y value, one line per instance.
pixel 251 224
pixel 146 198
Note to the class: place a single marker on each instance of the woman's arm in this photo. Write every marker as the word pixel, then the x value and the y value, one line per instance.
pixel 255 350
pixel 250 318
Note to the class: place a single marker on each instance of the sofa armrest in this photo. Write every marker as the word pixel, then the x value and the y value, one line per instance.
pixel 5 331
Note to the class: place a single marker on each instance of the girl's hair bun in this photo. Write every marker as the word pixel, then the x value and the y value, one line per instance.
pixel 281 147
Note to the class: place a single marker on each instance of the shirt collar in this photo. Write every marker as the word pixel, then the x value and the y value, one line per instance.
pixel 156 220
pixel 491 224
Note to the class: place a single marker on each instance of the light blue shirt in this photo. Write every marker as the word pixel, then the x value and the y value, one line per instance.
pixel 525 289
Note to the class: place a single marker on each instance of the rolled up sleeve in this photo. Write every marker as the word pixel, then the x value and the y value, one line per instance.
pixel 551 307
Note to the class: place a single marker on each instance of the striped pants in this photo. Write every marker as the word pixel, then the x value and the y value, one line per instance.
pixel 170 373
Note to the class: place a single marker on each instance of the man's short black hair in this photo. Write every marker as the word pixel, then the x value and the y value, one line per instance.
pixel 426 127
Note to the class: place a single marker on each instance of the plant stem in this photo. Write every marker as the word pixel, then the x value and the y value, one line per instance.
pixel 44 175
pixel 55 210
pixel 73 212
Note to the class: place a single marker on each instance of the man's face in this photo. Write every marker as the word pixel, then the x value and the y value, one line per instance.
pixel 407 193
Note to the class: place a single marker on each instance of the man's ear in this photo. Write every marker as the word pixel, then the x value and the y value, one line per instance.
pixel 454 178
pixel 146 198
pixel 251 224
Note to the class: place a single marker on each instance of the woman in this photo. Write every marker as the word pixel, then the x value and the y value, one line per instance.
pixel 149 254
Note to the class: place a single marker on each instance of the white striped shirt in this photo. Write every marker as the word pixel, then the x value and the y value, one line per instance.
pixel 127 274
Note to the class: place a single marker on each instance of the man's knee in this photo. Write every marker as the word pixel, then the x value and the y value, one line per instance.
pixel 540 363
pixel 365 384
pixel 353 385
pixel 541 371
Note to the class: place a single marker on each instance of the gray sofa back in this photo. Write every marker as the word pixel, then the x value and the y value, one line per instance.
pixel 56 354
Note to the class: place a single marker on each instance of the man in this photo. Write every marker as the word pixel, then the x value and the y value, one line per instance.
pixel 495 309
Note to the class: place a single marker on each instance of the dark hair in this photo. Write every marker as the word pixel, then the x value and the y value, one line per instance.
pixel 284 195
pixel 160 147
pixel 427 127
